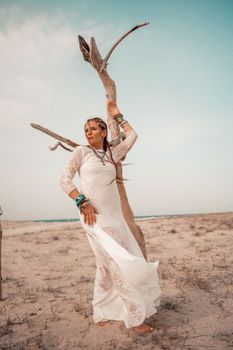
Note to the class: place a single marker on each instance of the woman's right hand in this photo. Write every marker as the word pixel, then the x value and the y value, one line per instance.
pixel 89 213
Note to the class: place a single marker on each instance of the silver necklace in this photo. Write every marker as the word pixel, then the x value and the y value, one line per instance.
pixel 100 154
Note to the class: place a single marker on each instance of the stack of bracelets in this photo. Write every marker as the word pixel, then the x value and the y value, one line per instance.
pixel 81 201
pixel 120 119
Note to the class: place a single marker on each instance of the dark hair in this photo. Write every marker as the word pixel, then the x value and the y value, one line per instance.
pixel 101 123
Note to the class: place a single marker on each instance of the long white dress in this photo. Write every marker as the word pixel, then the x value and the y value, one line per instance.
pixel 126 285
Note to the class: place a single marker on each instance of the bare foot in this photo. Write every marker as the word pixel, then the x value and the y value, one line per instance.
pixel 143 328
pixel 103 323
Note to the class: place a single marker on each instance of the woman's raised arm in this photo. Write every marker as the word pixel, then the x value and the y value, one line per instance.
pixel 120 151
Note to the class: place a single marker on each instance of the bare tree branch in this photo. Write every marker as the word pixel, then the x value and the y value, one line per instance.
pixel 52 148
pixel 54 135
pixel 104 64
pixel 114 142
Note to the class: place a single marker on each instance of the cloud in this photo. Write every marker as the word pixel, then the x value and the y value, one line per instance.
pixel 30 48
pixel 21 97
pixel 36 41
pixel 33 49
pixel 41 39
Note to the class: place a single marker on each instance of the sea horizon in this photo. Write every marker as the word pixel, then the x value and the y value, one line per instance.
pixel 136 217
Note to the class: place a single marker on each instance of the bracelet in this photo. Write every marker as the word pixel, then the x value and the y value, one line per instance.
pixel 119 118
pixel 123 123
pixel 83 205
pixel 118 115
pixel 79 199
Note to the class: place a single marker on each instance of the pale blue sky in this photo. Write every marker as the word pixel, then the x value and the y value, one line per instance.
pixel 175 85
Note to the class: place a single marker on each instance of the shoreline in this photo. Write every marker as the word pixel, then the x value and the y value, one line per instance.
pixel 136 217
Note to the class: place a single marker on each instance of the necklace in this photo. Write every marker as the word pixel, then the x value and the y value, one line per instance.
pixel 100 154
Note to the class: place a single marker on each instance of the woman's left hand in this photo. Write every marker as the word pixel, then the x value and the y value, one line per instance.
pixel 112 108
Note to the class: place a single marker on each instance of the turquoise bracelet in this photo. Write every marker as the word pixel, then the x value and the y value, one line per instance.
pixel 119 117
pixel 79 199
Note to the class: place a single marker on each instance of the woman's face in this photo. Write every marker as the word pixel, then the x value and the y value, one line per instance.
pixel 94 134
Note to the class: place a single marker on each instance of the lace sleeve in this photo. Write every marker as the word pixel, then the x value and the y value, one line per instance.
pixel 70 170
pixel 123 148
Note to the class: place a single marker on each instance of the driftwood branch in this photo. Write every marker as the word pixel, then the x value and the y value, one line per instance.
pixel 114 142
pixel 55 136
pixel 105 60
pixel 53 148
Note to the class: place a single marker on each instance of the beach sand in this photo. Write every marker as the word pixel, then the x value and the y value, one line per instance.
pixel 48 275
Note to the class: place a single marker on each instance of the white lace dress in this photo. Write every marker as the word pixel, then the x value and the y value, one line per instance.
pixel 126 286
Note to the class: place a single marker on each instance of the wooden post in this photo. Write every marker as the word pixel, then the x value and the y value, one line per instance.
pixel 0 255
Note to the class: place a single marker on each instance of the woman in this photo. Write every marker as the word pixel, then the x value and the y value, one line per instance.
pixel 126 286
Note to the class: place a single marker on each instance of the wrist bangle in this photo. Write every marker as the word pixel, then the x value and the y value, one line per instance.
pixel 123 123
pixel 84 204
pixel 118 115
pixel 119 118
pixel 79 199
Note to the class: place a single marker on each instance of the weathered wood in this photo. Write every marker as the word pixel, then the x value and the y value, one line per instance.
pixel 114 142
pixel 105 60
pixel 84 47
pixel 54 135
pixel 91 54
pixel 53 148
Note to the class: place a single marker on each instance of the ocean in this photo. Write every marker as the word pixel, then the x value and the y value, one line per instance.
pixel 140 217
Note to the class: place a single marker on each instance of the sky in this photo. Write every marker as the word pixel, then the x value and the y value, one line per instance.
pixel 174 82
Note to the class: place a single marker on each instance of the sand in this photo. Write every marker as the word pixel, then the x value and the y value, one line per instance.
pixel 48 274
